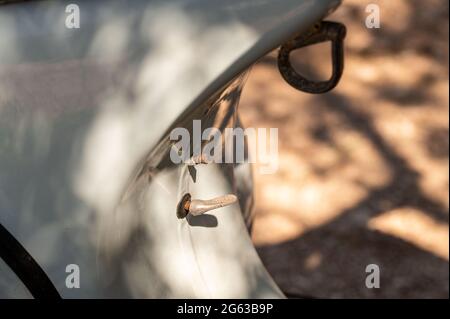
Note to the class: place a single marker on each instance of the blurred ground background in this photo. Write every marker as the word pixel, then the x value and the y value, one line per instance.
pixel 363 169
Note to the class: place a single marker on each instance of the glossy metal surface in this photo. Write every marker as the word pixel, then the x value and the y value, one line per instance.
pixel 84 116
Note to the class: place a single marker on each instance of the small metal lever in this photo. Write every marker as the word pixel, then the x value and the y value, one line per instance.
pixel 321 32
pixel 198 207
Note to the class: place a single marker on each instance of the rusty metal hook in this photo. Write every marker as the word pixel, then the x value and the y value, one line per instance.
pixel 321 32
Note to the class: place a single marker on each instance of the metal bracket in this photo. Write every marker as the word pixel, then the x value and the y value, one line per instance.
pixel 321 32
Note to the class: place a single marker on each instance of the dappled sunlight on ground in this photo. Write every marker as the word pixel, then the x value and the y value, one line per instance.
pixel 363 170
pixel 416 227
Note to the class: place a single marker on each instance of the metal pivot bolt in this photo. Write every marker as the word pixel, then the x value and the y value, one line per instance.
pixel 321 32
pixel 197 207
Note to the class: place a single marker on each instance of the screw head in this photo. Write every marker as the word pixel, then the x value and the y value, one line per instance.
pixel 183 206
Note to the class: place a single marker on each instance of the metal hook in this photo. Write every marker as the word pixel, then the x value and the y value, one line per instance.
pixel 321 32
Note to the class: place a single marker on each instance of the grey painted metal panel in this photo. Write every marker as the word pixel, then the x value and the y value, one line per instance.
pixel 80 109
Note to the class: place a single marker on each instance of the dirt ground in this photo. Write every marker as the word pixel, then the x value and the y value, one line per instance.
pixel 363 170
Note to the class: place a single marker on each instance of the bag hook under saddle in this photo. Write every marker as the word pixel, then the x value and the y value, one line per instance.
pixel 321 32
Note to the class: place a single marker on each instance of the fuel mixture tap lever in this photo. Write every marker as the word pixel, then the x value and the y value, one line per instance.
pixel 197 207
